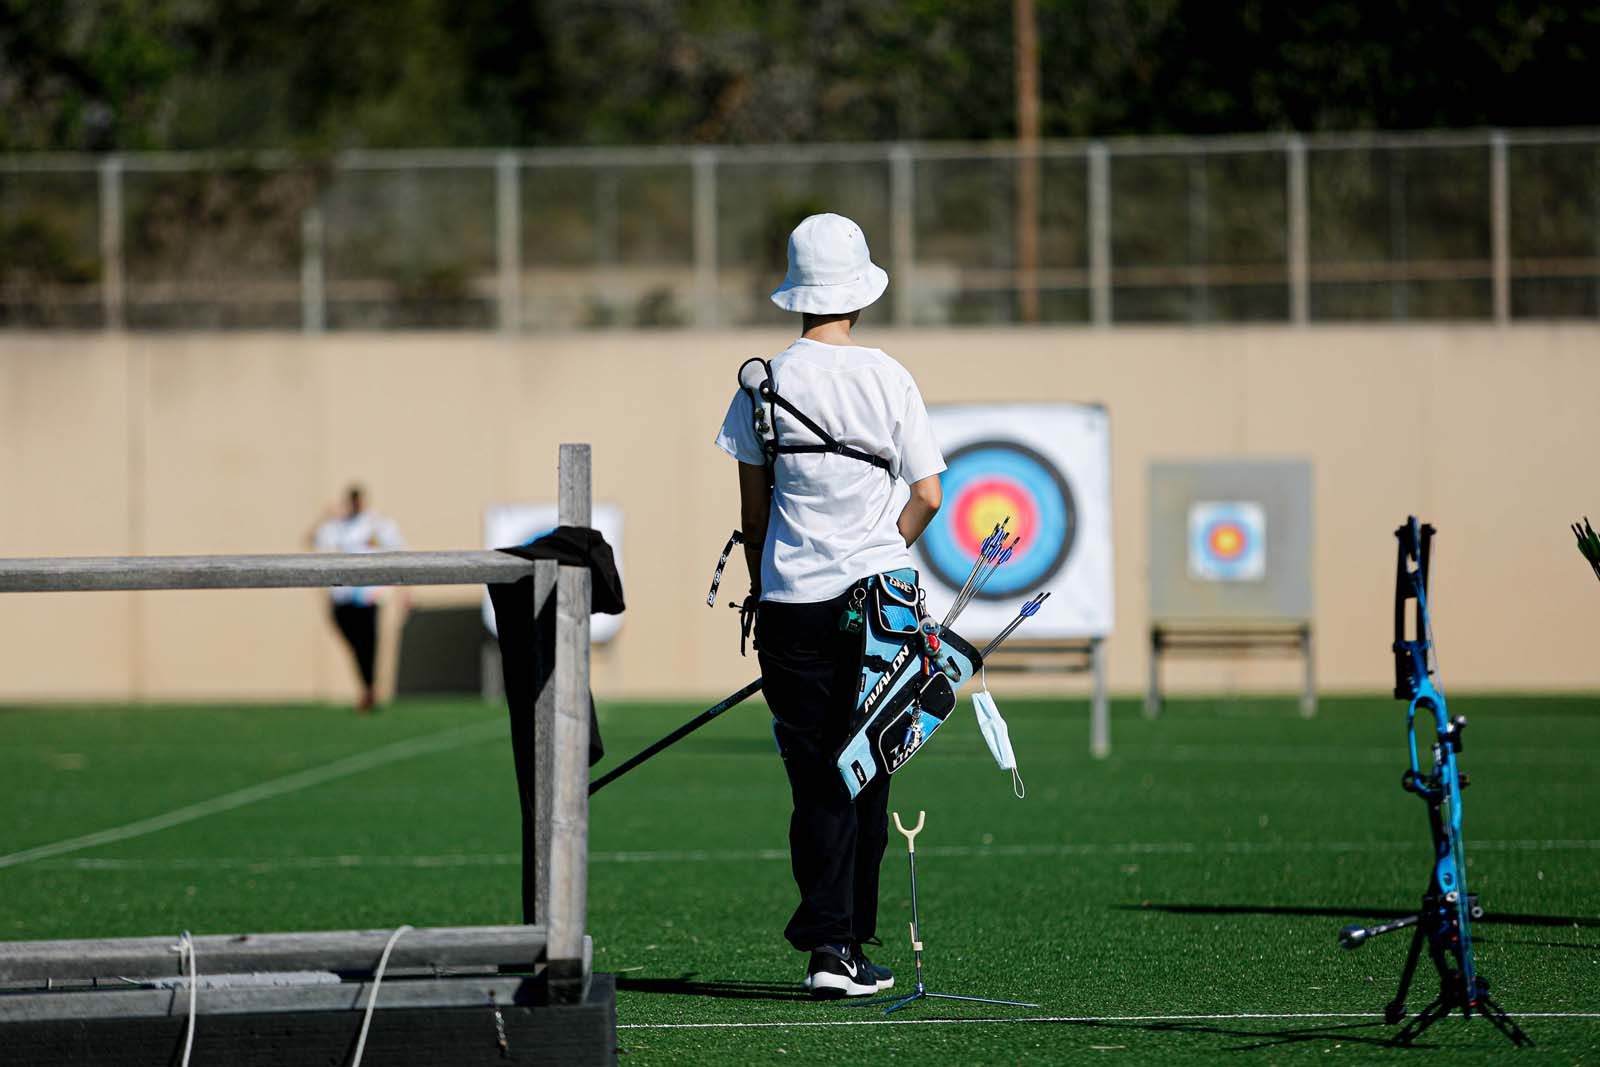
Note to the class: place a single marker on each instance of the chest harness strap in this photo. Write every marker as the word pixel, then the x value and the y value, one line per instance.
pixel 755 377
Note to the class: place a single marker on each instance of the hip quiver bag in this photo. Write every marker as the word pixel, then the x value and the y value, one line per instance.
pixel 909 677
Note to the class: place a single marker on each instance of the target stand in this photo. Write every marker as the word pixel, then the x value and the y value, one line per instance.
pixel 1220 640
pixel 1044 470
pixel 1230 565
pixel 1083 656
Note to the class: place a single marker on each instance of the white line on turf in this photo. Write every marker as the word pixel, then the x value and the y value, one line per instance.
pixel 507 859
pixel 276 787
pixel 1038 1019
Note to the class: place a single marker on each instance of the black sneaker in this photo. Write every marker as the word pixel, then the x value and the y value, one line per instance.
pixel 834 972
pixel 877 972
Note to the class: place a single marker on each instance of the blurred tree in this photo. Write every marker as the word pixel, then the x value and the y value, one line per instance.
pixel 85 75
pixel 1186 66
pixel 321 74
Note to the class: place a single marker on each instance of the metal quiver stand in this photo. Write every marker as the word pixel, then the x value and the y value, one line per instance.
pixel 921 990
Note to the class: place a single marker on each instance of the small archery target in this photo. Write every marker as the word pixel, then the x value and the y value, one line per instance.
pixel 1227 541
pixel 1046 469
pixel 989 482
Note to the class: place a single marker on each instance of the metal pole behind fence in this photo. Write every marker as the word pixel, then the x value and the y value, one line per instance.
pixel 902 232
pixel 1099 163
pixel 313 274
pixel 112 291
pixel 1500 225
pixel 1399 294
pixel 705 237
pixel 1199 242
pixel 569 827
pixel 508 239
pixel 1299 243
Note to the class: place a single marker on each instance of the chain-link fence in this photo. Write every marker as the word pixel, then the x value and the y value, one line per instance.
pixel 1476 226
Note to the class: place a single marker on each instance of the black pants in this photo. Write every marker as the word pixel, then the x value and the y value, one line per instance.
pixel 810 672
pixel 359 624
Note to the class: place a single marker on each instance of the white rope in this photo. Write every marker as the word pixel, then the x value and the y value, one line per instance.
pixel 185 949
pixel 372 999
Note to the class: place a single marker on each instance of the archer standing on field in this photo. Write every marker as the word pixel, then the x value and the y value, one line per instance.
pixel 354 527
pixel 817 521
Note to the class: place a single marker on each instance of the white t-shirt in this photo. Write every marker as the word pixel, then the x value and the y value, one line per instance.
pixel 365 532
pixel 834 519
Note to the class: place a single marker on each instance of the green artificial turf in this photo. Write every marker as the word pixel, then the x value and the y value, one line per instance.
pixel 1144 901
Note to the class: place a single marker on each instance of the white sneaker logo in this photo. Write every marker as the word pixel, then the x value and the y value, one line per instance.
pixel 849 965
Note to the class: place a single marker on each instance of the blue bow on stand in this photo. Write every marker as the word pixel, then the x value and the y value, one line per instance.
pixel 1445 921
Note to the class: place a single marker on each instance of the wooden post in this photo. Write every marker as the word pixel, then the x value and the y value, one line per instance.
pixel 536 867
pixel 569 823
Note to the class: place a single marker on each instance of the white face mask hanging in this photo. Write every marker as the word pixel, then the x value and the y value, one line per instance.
pixel 996 736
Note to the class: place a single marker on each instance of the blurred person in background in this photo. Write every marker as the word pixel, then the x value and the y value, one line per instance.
pixel 818 525
pixel 349 527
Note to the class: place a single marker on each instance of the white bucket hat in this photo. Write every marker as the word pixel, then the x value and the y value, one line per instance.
pixel 830 270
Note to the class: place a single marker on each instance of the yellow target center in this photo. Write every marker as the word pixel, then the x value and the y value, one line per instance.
pixel 1227 541
pixel 987 513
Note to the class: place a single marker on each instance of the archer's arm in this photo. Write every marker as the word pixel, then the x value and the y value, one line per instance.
pixel 926 496
pixel 755 507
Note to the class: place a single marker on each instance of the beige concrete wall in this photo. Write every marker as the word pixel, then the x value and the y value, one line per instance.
pixel 221 443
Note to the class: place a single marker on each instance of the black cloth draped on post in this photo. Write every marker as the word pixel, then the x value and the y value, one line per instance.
pixel 528 663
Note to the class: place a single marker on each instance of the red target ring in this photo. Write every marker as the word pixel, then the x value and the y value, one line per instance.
pixel 1227 541
pixel 984 503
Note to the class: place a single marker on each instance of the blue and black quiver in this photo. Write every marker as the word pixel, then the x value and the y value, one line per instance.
pixel 910 672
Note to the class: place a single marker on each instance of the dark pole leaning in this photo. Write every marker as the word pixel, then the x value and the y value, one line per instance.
pixel 675 736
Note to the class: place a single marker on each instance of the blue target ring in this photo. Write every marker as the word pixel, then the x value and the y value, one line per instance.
pixel 985 481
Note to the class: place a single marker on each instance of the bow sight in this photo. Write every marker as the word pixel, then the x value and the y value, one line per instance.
pixel 1445 919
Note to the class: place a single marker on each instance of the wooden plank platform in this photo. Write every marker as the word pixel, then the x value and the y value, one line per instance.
pixel 343 951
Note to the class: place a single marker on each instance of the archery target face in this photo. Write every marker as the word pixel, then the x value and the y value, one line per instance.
pixel 1047 468
pixel 988 482
pixel 1227 541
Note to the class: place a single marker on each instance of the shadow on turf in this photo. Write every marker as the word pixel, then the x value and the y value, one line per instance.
pixel 1491 918
pixel 725 990
pixel 1341 1032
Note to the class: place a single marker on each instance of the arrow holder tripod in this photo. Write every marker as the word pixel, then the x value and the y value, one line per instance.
pixel 1444 922
pixel 921 991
